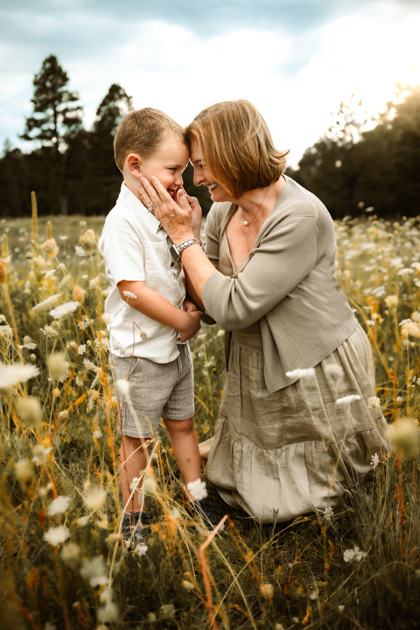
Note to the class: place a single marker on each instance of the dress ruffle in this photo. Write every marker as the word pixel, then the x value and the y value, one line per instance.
pixel 294 451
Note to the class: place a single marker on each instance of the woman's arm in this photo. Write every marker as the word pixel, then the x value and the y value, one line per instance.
pixel 176 216
pixel 283 259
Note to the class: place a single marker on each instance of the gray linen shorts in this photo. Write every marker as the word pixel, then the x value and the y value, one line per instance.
pixel 157 390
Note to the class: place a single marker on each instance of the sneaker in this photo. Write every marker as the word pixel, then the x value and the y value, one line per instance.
pixel 136 527
pixel 208 514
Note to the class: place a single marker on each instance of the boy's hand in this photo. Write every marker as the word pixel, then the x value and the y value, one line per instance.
pixel 193 324
pixel 189 307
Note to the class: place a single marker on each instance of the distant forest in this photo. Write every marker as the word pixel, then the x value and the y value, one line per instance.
pixel 351 169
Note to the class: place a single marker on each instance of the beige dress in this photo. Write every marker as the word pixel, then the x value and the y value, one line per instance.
pixel 291 452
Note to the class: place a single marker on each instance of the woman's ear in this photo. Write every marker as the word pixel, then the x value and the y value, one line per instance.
pixel 133 163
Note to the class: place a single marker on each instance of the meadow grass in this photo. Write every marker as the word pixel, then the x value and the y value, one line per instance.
pixel 63 561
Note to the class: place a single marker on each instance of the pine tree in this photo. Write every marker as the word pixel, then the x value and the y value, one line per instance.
pixel 114 105
pixel 103 180
pixel 57 115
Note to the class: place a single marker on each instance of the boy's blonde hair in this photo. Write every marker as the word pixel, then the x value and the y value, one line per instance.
pixel 141 131
pixel 237 146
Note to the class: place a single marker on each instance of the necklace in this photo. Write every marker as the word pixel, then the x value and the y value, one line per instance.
pixel 246 223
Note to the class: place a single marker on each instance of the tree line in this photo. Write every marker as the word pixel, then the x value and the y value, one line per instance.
pixel 72 170
pixel 355 169
pixel 359 164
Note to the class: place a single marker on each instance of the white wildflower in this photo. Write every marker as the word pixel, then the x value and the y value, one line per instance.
pixel 57 535
pixel 81 349
pixel 167 610
pixel 334 372
pixel 89 365
pixel 16 373
pixel 24 470
pixel 354 555
pixel 130 295
pixel 44 491
pixel 95 498
pixel 346 400
pixel 58 505
pixel 29 409
pixel 327 514
pixel 140 549
pixel 341 608
pixel 267 590
pixel 6 331
pixel 56 364
pixel 63 414
pixel 411 329
pixel 80 251
pixel 123 386
pixel 108 613
pixel 198 489
pixel 106 318
pixel 373 401
pixel 46 302
pixel 95 571
pixel 135 483
pixel 405 272
pixel 71 555
pixel 299 373
pixel 374 461
pixel 49 331
pixel 149 486
pixel 64 309
pixel 63 238
pixel 49 273
pixel 187 585
pixel 82 521
pixel 41 453
pixel 97 434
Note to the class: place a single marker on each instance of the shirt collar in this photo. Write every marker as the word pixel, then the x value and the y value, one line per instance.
pixel 129 199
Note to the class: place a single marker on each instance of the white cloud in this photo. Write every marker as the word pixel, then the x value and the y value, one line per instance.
pixel 295 79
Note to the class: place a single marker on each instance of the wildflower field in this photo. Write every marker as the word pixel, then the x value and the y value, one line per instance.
pixel 63 561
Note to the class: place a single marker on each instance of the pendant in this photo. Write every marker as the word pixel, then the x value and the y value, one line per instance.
pixel 246 223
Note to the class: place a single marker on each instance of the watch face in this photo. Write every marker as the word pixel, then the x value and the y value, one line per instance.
pixel 174 252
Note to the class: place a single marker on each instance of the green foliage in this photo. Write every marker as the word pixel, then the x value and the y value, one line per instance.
pixel 56 116
pixel 350 169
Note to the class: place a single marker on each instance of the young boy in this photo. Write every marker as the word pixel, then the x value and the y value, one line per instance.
pixel 148 326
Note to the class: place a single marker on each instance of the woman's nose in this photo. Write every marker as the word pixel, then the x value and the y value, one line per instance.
pixel 197 178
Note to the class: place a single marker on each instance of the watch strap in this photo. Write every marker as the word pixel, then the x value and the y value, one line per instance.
pixel 191 241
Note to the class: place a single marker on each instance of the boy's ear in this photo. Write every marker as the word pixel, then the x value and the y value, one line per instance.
pixel 133 163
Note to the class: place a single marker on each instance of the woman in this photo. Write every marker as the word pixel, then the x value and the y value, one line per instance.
pixel 295 424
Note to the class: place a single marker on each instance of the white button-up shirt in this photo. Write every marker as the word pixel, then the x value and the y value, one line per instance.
pixel 136 247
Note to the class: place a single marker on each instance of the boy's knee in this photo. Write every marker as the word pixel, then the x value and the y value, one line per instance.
pixel 180 426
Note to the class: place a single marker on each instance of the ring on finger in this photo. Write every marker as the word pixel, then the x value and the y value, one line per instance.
pixel 151 208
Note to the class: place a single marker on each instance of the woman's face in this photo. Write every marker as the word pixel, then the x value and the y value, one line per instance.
pixel 203 175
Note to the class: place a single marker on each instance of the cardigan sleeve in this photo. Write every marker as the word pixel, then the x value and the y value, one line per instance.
pixel 283 259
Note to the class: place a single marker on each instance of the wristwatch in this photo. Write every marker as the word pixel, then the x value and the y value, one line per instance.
pixel 175 250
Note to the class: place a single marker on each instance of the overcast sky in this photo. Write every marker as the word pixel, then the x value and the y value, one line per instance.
pixel 294 59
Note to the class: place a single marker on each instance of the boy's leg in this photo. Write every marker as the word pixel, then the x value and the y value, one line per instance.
pixel 185 449
pixel 133 461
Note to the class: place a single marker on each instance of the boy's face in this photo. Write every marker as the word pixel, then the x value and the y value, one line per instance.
pixel 167 163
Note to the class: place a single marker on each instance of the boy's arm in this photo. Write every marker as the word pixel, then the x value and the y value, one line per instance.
pixel 154 306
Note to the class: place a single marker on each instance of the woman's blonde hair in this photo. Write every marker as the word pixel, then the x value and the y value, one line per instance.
pixel 237 146
pixel 142 131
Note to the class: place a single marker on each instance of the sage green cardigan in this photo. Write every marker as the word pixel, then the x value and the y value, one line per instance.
pixel 286 283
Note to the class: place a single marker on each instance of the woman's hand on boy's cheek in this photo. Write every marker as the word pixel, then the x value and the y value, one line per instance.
pixel 189 307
